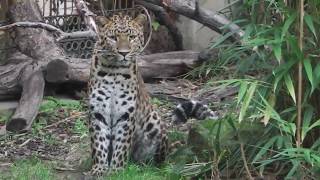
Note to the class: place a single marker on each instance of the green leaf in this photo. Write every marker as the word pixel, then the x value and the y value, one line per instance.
pixel 316 75
pixel 293 128
pixel 277 52
pixel 316 124
pixel 307 156
pixel 316 159
pixel 308 68
pixel 309 21
pixel 290 87
pixel 287 25
pixel 248 31
pixel 155 25
pixel 293 170
pixel 269 109
pixel 222 39
pixel 247 101
pixel 265 148
pixel 242 91
pixel 307 117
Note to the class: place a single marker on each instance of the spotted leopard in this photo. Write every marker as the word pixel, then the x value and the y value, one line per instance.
pixel 123 122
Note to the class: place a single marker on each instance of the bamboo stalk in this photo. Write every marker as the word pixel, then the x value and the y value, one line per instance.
pixel 245 164
pixel 300 77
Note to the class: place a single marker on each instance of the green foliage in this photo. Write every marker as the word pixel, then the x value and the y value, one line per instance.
pixel 53 110
pixel 155 25
pixel 266 63
pixel 80 128
pixel 136 172
pixel 51 104
pixel 161 103
pixel 4 116
pixel 29 169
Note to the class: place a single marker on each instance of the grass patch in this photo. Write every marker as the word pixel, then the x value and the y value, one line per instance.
pixel 4 116
pixel 162 103
pixel 29 169
pixel 81 128
pixel 51 104
pixel 136 172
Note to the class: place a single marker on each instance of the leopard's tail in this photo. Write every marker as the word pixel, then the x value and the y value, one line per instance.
pixel 192 109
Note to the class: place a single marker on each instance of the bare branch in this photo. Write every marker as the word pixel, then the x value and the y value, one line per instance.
pixel 61 35
pixel 211 19
pixel 41 25
pixel 77 34
pixel 84 11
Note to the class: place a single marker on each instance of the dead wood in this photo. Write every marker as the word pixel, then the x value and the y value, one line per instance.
pixel 211 19
pixel 87 15
pixel 64 70
pixel 165 19
pixel 166 65
pixel 32 94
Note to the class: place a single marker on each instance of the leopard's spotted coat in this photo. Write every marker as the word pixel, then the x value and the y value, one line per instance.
pixel 123 122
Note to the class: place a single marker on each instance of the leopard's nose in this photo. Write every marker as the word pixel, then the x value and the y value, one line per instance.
pixel 123 53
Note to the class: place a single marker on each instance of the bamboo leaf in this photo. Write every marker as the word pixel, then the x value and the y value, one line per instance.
pixel 307 117
pixel 316 76
pixel 290 87
pixel 265 148
pixel 222 39
pixel 247 101
pixel 287 25
pixel 293 170
pixel 269 109
pixel 242 91
pixel 307 156
pixel 309 21
pixel 277 52
pixel 316 124
pixel 308 68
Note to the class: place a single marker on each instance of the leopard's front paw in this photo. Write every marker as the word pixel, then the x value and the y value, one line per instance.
pixel 98 170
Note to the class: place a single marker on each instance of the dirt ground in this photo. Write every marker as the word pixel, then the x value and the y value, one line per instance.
pixel 60 135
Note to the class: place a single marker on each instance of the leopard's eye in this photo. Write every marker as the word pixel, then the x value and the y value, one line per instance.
pixel 132 36
pixel 112 37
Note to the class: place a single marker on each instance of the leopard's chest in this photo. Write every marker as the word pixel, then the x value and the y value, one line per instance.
pixel 113 95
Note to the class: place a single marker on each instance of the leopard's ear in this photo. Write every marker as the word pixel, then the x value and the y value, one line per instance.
pixel 141 19
pixel 101 20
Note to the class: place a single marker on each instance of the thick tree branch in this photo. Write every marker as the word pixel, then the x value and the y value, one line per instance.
pixel 60 34
pixel 211 19
pixel 165 19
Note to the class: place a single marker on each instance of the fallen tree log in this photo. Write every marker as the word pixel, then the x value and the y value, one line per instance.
pixel 166 65
pixel 161 65
pixel 32 94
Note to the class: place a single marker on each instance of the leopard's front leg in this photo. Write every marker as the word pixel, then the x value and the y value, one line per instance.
pixel 122 143
pixel 100 140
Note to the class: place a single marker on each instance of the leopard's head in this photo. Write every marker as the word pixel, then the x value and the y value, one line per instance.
pixel 121 36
